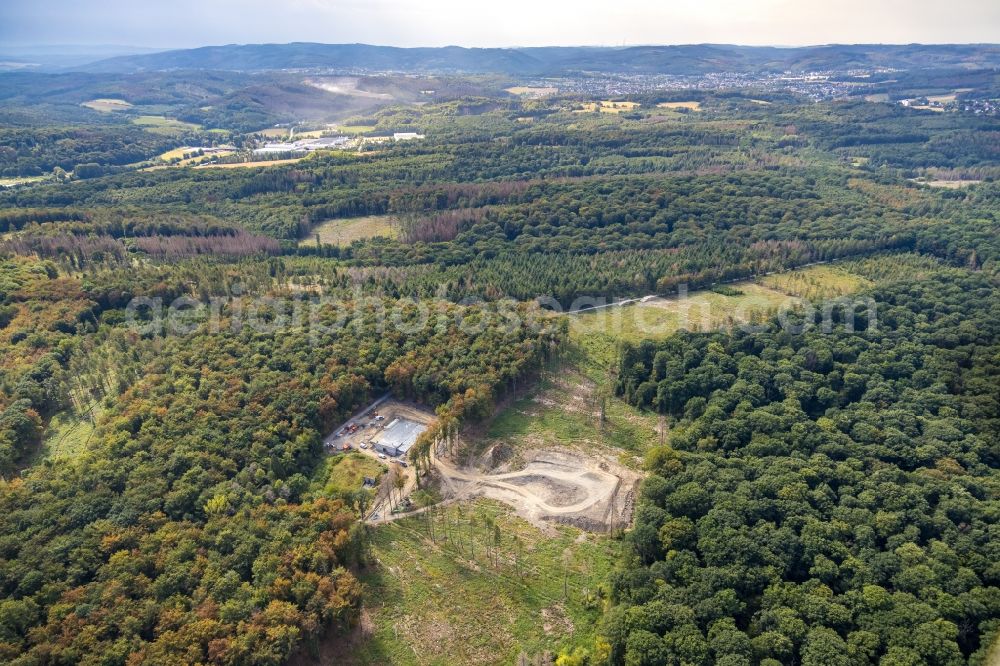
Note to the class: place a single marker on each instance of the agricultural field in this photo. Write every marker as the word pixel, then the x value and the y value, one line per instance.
pixel 355 129
pixel 343 232
pixel 446 600
pixel 691 106
pixel 941 99
pixel 947 98
pixel 174 154
pixel 107 105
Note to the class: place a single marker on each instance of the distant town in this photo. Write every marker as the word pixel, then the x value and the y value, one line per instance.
pixel 818 86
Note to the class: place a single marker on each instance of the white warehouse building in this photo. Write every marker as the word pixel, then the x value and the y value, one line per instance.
pixel 398 437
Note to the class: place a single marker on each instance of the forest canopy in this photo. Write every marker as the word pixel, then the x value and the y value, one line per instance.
pixel 819 494
pixel 825 498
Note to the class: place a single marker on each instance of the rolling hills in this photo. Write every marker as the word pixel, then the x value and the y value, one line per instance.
pixel 689 59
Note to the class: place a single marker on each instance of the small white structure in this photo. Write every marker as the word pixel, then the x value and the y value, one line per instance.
pixel 406 136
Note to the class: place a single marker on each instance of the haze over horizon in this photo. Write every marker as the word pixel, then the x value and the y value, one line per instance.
pixel 191 23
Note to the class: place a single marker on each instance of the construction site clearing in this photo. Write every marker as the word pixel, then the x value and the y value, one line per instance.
pixel 386 428
pixel 552 485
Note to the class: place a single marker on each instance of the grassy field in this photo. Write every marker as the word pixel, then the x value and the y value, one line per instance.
pixel 164 125
pixel 174 154
pixel 355 129
pixel 700 310
pixel 107 105
pixel 346 472
pixel 68 433
pixel 942 99
pixel 816 282
pixel 343 232
pixel 564 410
pixel 443 601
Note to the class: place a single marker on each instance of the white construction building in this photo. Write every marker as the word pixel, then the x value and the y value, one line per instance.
pixel 398 437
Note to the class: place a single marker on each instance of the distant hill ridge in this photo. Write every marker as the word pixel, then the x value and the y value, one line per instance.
pixel 688 59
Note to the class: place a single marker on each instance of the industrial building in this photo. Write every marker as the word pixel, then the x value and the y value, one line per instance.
pixel 398 437
pixel 303 145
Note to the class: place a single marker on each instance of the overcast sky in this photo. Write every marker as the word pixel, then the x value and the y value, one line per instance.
pixel 186 23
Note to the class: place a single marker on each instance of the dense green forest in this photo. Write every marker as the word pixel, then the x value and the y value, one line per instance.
pixel 184 533
pixel 827 498
pixel 821 494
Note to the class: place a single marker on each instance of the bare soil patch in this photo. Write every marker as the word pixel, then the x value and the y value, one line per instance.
pixel 591 492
